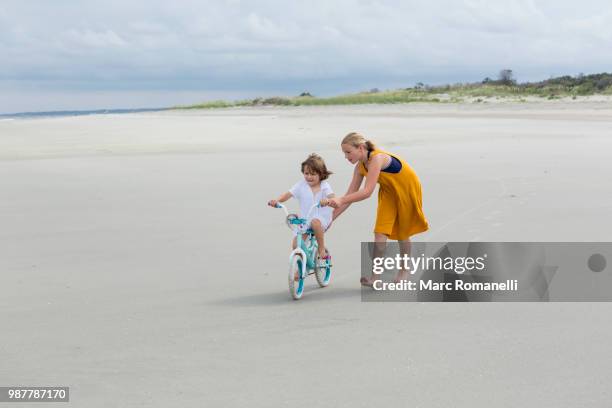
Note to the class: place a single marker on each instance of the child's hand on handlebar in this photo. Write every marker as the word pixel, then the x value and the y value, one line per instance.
pixel 273 203
pixel 324 202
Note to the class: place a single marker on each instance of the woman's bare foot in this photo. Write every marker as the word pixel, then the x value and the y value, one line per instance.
pixel 401 276
pixel 368 281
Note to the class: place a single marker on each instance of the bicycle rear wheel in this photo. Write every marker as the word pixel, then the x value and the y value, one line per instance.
pixel 323 275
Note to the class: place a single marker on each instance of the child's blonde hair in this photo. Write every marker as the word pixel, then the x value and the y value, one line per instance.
pixel 356 139
pixel 316 164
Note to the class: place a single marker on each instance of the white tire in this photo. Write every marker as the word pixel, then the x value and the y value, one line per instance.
pixel 323 275
pixel 296 265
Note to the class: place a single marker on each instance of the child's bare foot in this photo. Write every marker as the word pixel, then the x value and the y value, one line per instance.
pixel 401 276
pixel 368 281
pixel 322 258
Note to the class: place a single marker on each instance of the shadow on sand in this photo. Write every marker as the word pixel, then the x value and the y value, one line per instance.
pixel 311 294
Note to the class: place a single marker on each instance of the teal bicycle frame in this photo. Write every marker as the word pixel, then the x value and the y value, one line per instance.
pixel 309 246
pixel 304 257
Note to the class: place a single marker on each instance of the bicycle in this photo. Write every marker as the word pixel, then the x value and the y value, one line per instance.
pixel 303 259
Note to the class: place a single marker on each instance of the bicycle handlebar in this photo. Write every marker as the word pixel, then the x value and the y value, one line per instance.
pixel 317 205
pixel 278 205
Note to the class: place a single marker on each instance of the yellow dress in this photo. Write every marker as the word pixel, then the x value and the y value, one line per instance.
pixel 400 202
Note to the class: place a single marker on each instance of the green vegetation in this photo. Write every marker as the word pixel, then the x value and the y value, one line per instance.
pixel 504 87
pixel 397 96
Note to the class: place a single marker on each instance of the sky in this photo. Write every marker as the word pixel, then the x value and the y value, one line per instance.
pixel 68 55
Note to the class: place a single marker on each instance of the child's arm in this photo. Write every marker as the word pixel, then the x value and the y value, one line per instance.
pixel 281 199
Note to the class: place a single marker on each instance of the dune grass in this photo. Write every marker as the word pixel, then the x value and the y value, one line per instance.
pixel 554 88
pixel 396 96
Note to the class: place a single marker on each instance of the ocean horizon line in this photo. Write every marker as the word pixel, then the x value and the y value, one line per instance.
pixel 64 113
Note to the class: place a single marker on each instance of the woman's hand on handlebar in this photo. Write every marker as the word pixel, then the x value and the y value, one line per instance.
pixel 273 203
pixel 334 202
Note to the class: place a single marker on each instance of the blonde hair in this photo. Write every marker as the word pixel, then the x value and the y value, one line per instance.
pixel 356 139
pixel 316 164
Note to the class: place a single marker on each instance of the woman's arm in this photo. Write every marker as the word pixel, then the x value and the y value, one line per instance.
pixel 339 210
pixel 370 184
pixel 353 187
pixel 325 201
pixel 356 181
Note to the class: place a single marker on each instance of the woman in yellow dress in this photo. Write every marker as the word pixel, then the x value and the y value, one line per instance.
pixel 400 203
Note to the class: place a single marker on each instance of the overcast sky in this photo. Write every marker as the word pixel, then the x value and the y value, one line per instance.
pixel 63 54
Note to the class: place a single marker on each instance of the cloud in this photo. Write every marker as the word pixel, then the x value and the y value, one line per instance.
pixel 215 44
pixel 87 38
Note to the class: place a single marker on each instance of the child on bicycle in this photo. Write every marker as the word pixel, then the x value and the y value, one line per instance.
pixel 311 190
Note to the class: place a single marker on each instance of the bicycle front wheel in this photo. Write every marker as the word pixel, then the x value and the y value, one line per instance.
pixel 296 277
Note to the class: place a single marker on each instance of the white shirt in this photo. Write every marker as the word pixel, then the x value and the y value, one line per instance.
pixel 302 192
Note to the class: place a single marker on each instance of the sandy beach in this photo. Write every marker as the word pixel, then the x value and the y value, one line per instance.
pixel 140 264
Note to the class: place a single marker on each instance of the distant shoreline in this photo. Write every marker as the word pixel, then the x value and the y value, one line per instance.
pixel 436 99
pixel 591 88
pixel 65 113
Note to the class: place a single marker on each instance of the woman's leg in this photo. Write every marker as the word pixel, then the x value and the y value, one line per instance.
pixel 380 246
pixel 404 247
